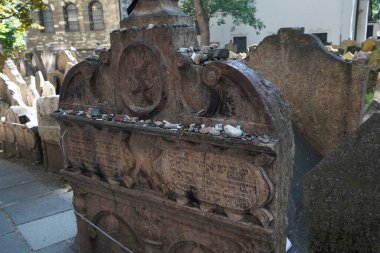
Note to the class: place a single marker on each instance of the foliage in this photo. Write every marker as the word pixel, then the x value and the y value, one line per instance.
pixel 242 11
pixel 14 20
pixel 369 97
pixel 375 9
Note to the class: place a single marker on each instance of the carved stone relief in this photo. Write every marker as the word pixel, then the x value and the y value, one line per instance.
pixel 103 154
pixel 142 78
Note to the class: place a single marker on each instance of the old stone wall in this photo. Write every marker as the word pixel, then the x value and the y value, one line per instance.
pixel 85 38
pixel 326 94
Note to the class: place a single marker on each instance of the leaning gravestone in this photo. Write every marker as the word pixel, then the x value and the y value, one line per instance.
pixel 156 186
pixel 326 94
pixel 342 194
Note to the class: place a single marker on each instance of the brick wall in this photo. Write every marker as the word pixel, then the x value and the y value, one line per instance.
pixel 85 38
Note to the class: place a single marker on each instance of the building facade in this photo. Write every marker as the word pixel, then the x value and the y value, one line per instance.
pixel 332 21
pixel 77 23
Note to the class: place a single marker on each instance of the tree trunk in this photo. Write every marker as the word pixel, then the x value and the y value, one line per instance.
pixel 201 17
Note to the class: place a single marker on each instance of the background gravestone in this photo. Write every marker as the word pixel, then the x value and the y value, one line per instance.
pixel 169 189
pixel 342 194
pixel 50 133
pixel 326 94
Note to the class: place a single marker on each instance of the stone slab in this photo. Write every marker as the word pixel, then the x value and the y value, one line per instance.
pixel 51 230
pixel 325 93
pixel 67 196
pixel 7 168
pixel 37 208
pixel 6 225
pixel 342 194
pixel 61 247
pixel 13 243
pixel 21 192
pixel 14 179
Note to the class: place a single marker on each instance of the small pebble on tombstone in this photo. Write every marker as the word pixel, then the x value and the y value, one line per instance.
pixel 232 131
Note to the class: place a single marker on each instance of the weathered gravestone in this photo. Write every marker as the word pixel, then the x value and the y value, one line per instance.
pixel 19 133
pixel 325 93
pixel 157 189
pixel 50 133
pixel 342 194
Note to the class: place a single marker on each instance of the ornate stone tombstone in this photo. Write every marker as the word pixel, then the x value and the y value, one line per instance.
pixel 153 186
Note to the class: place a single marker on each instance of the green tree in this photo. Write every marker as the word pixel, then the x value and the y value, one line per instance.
pixel 375 9
pixel 242 12
pixel 14 20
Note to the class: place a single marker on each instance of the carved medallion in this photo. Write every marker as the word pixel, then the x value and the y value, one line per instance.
pixel 141 79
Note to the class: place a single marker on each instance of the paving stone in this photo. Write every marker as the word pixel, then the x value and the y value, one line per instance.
pixel 9 168
pixel 5 224
pixel 14 179
pixel 50 230
pixel 21 192
pixel 13 243
pixel 37 208
pixel 61 247
pixel 67 196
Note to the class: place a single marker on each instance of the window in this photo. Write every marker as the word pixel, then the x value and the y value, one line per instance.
pixel 241 44
pixel 95 10
pixel 70 13
pixel 46 20
pixel 322 37
pixel 370 31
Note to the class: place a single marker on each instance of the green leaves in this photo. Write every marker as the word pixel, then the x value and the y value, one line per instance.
pixel 375 9
pixel 14 20
pixel 242 11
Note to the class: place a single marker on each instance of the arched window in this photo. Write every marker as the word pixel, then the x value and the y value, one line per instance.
pixel 95 10
pixel 70 13
pixel 46 20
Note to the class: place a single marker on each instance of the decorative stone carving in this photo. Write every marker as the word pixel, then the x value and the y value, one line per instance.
pixel 141 73
pixel 233 184
pixel 165 189
pixel 106 155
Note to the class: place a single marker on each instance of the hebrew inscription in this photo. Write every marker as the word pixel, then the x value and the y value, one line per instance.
pixel 98 151
pixel 216 179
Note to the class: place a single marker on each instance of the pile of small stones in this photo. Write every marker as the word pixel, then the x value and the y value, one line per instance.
pixel 217 130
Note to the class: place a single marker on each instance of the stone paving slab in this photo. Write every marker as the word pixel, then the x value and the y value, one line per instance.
pixel 61 247
pixel 21 192
pixel 13 243
pixel 50 230
pixel 67 196
pixel 39 203
pixel 6 225
pixel 9 168
pixel 37 208
pixel 14 179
